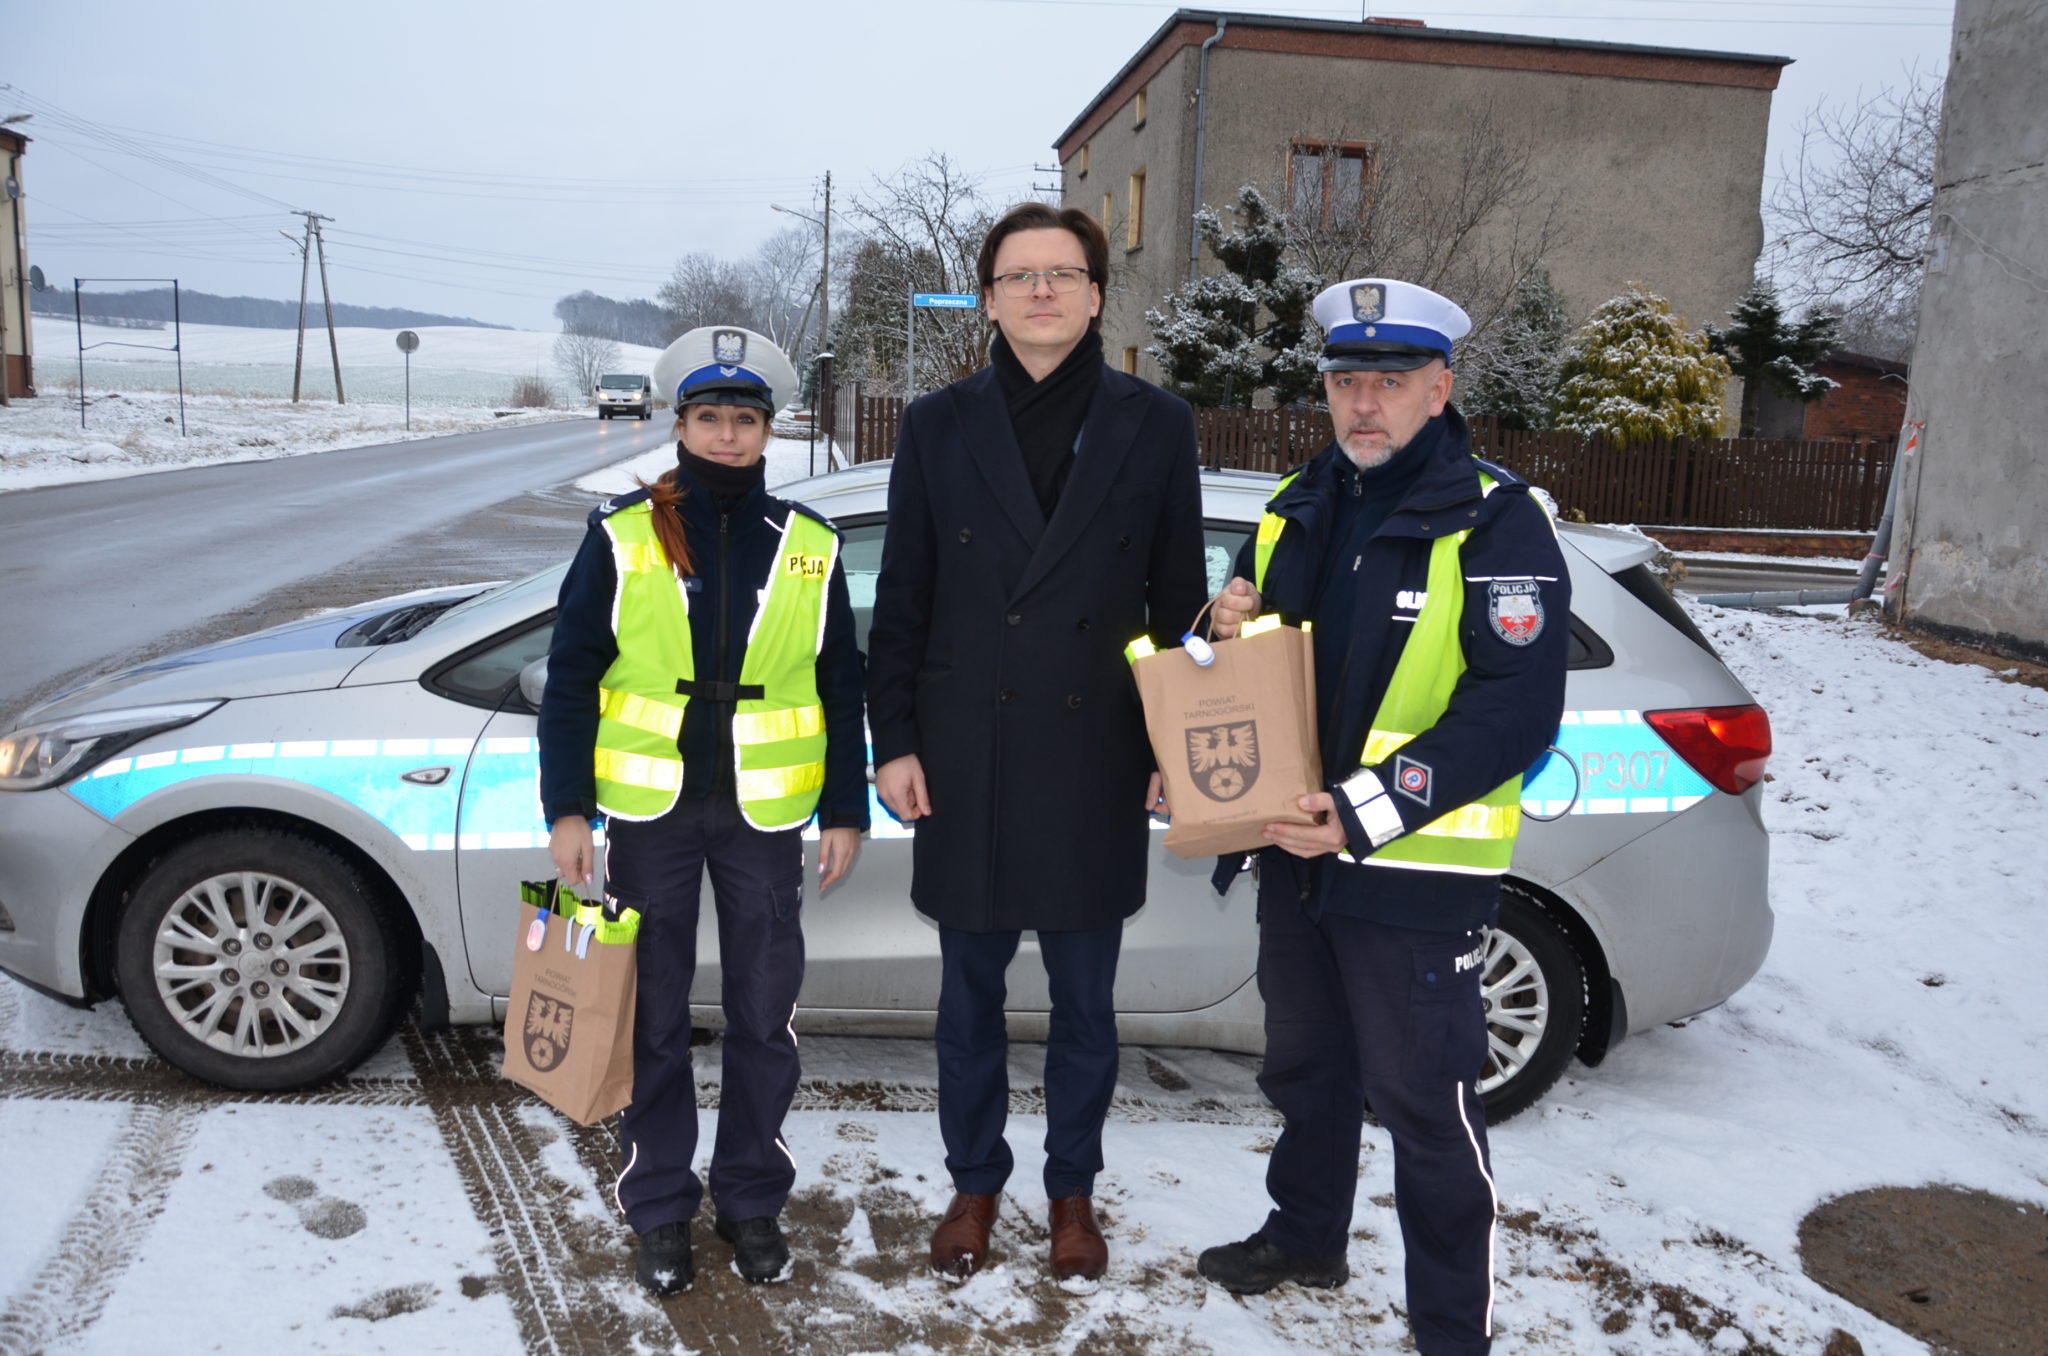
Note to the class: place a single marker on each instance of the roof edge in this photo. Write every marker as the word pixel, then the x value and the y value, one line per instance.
pixel 1236 19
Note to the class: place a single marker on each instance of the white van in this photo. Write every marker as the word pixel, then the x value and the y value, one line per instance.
pixel 624 393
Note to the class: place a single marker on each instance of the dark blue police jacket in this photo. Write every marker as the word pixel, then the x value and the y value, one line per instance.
pixel 731 553
pixel 1505 709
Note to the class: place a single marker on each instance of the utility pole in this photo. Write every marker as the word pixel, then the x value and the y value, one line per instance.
pixel 305 248
pixel 314 219
pixel 825 275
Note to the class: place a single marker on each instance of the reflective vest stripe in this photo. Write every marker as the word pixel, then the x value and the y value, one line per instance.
pixel 778 738
pixel 770 727
pixel 642 713
pixel 780 783
pixel 634 769
pixel 1474 839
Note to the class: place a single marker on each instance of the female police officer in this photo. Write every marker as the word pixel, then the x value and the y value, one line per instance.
pixel 704 696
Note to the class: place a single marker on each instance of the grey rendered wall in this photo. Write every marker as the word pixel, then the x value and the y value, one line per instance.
pixel 1164 150
pixel 1974 510
pixel 1658 182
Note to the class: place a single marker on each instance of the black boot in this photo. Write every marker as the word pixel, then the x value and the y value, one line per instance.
pixel 664 1267
pixel 1255 1266
pixel 759 1255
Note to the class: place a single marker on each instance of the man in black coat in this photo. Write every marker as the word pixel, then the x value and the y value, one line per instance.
pixel 1042 513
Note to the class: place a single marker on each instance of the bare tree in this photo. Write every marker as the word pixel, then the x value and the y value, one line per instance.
pixel 919 231
pixel 583 358
pixel 783 278
pixel 1850 213
pixel 706 290
pixel 1471 220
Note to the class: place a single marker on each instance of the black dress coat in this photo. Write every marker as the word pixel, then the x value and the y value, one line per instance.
pixel 996 650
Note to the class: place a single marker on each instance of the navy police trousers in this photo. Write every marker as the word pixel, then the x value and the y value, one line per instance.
pixel 757 881
pixel 974 1050
pixel 1359 1012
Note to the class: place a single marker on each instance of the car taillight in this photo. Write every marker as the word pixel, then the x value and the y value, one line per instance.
pixel 1728 745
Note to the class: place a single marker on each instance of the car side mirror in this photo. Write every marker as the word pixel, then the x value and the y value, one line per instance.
pixel 533 680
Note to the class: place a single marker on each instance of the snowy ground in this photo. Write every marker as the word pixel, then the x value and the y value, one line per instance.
pixel 1649 1206
pixel 238 403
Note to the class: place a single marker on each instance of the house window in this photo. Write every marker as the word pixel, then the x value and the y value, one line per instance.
pixel 1131 361
pixel 1328 182
pixel 1138 108
pixel 1108 205
pixel 1083 172
pixel 1134 218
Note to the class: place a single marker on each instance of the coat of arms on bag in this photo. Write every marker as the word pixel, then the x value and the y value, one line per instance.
pixel 546 1031
pixel 1224 759
pixel 1514 607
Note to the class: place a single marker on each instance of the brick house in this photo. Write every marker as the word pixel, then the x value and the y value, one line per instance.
pixel 1868 402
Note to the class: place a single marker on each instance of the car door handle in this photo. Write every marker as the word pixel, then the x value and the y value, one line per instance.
pixel 426 776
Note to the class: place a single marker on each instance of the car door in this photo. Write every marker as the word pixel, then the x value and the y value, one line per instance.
pixel 870 949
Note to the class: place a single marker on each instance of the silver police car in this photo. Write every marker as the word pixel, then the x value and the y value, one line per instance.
pixel 268 847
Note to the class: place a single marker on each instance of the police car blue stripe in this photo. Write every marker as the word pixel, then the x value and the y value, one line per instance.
pixel 496 795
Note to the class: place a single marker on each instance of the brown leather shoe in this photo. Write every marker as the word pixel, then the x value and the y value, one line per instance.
pixel 960 1243
pixel 1078 1250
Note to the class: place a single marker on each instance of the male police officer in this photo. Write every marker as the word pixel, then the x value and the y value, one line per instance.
pixel 1440 605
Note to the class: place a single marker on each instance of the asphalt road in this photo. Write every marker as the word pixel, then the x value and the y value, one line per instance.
pixel 111 572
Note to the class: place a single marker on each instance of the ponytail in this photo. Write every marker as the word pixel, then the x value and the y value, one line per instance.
pixel 663 495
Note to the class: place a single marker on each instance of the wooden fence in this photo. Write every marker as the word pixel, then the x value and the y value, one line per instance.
pixel 1786 485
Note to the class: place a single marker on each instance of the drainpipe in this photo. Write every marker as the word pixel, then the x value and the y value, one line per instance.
pixel 1201 137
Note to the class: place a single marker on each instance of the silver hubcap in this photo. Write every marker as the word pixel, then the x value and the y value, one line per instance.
pixel 251 964
pixel 1517 1008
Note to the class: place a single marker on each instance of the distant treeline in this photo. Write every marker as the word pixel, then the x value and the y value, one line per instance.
pixel 627 322
pixel 203 308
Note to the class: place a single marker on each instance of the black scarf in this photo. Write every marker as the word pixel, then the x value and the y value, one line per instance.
pixel 1047 415
pixel 726 484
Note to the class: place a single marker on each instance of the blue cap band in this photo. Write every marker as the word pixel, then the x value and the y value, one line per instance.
pixel 722 375
pixel 1383 333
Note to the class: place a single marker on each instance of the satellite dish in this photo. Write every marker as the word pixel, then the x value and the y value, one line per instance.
pixel 35 278
pixel 13 187
pixel 407 341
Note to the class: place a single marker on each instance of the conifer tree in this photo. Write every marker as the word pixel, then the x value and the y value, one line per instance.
pixel 1509 370
pixel 1634 372
pixel 1225 336
pixel 1765 349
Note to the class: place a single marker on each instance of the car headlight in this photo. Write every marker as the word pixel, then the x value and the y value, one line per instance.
pixel 36 757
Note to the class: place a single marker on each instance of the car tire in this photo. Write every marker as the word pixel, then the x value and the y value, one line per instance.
pixel 328 995
pixel 1534 988
pixel 604 414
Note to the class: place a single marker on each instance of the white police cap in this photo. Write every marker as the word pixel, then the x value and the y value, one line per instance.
pixel 1383 325
pixel 725 365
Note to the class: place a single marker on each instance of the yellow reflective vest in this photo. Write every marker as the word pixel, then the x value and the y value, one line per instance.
pixel 778 737
pixel 1474 839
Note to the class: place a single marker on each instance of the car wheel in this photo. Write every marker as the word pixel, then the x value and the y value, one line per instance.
pixel 261 961
pixel 604 414
pixel 1535 994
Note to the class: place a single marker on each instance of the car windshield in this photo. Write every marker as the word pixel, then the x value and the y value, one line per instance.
pixel 629 383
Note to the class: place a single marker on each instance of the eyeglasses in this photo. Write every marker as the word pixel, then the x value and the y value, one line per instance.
pixel 1058 279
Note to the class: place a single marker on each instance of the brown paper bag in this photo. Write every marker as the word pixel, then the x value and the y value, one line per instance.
pixel 569 1030
pixel 1236 740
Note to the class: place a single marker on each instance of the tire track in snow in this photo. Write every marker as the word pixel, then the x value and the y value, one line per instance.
pixel 92 1253
pixel 558 1278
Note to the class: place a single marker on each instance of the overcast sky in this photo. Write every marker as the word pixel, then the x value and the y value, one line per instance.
pixel 483 159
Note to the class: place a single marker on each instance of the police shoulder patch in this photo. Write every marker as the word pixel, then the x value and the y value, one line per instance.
pixel 614 504
pixel 811 513
pixel 1413 779
pixel 1514 609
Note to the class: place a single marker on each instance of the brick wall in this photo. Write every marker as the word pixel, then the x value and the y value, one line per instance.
pixel 1866 403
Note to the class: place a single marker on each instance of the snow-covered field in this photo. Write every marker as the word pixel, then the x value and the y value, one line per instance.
pixel 1649 1206
pixel 238 404
pixel 455 364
